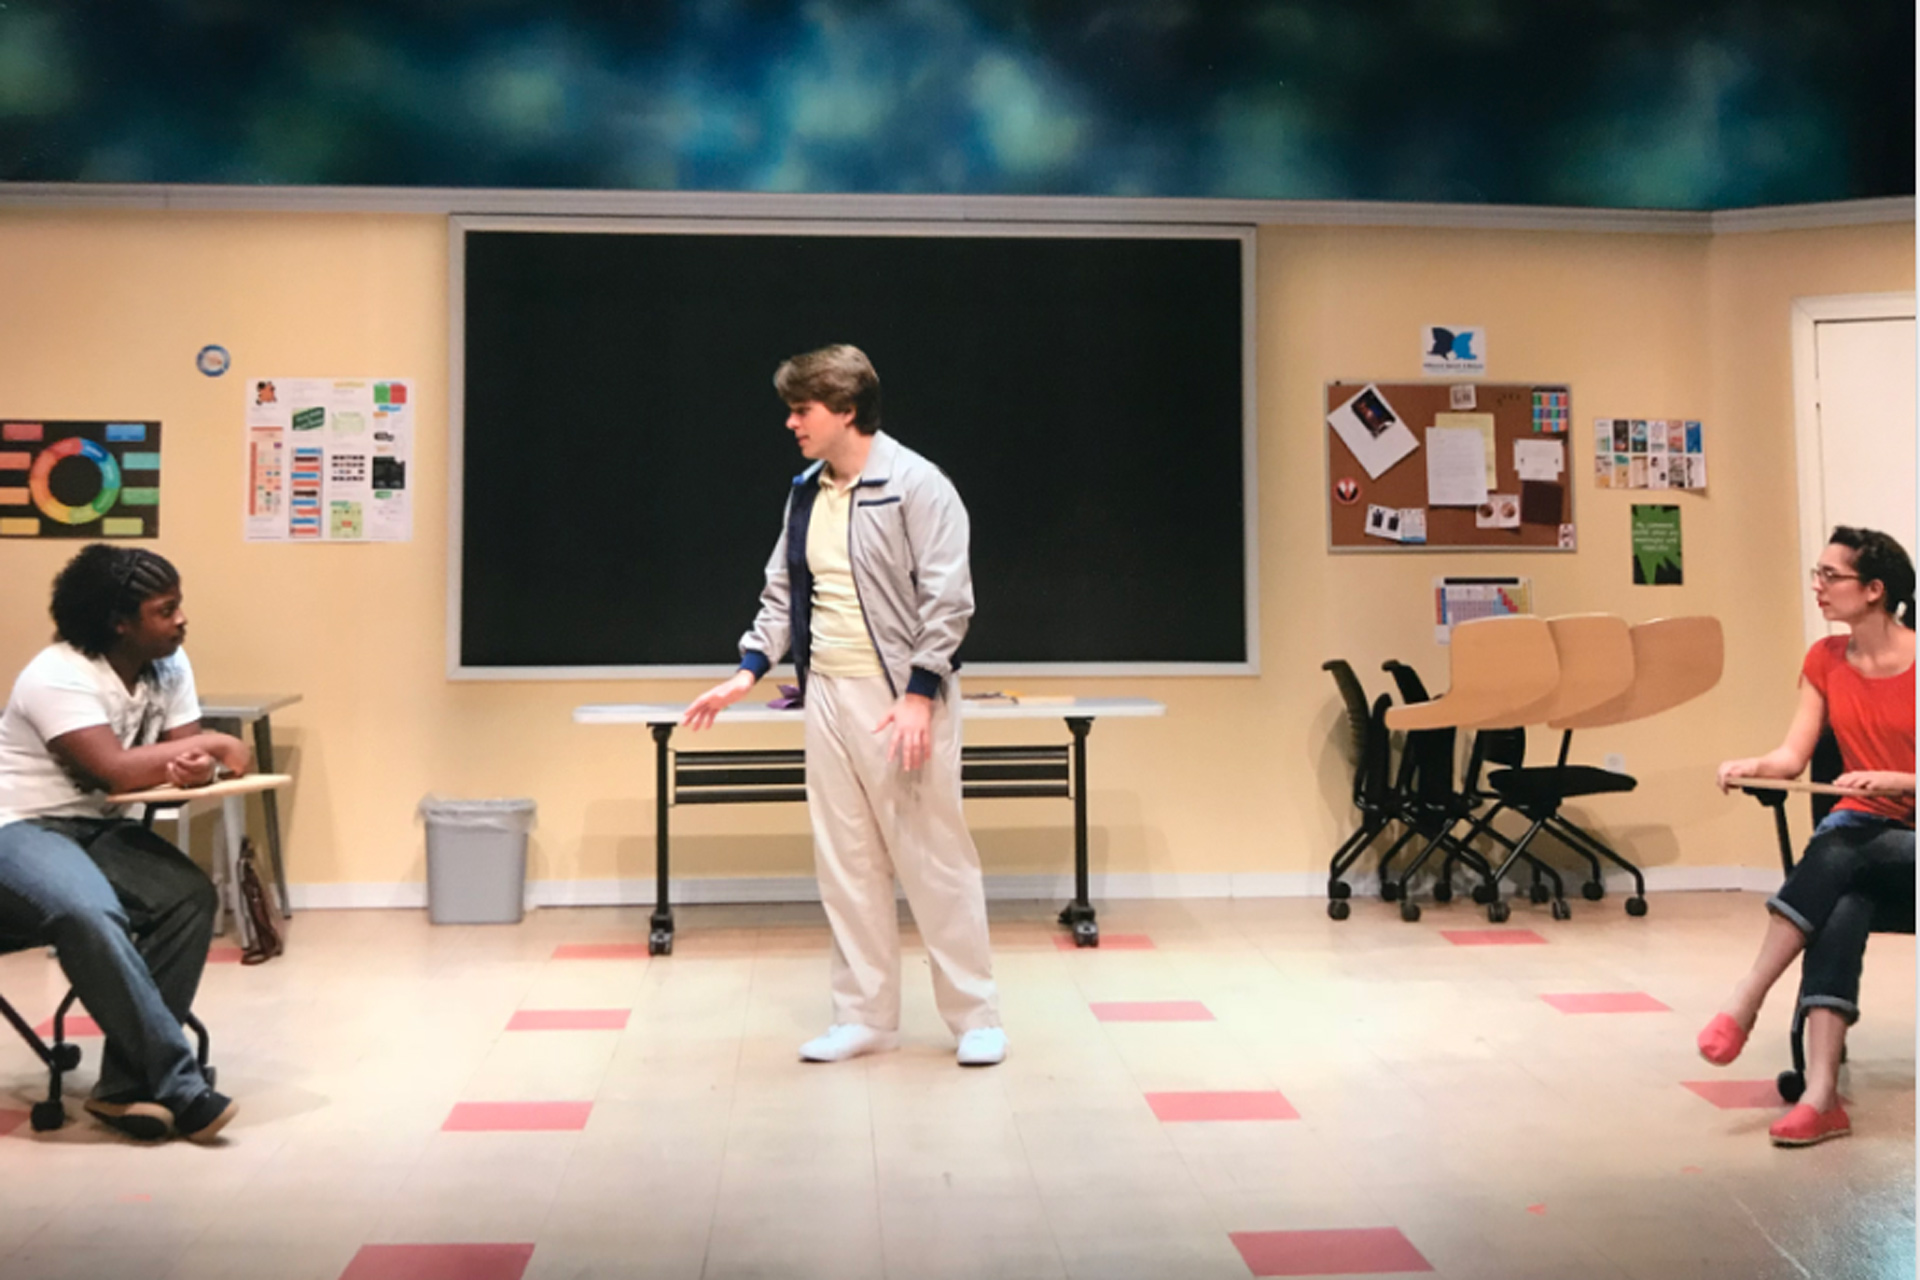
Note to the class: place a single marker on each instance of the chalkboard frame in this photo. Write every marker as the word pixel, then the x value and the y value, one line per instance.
pixel 459 227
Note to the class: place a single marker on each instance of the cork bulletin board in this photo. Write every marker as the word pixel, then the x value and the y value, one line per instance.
pixel 1522 514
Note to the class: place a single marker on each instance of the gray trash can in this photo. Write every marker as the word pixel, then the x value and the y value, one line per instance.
pixel 476 859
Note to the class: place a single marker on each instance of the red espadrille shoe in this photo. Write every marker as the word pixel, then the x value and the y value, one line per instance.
pixel 1803 1126
pixel 1722 1040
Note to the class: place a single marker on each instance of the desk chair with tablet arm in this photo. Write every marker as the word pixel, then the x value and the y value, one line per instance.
pixel 62 1055
pixel 1376 795
pixel 1887 915
pixel 1497 667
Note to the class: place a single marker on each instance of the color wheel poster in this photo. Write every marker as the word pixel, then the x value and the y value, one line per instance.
pixel 328 460
pixel 79 479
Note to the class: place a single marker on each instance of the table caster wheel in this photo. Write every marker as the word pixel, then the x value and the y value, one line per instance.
pixel 660 942
pixel 1636 906
pixel 1443 891
pixel 1498 912
pixel 1086 933
pixel 1339 909
pixel 1561 911
pixel 66 1056
pixel 47 1116
pixel 1593 891
pixel 1790 1083
pixel 1409 910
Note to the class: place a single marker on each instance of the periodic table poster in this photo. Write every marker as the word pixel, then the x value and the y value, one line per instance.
pixel 73 479
pixel 329 460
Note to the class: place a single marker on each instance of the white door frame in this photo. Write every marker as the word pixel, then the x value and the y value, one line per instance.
pixel 1803 316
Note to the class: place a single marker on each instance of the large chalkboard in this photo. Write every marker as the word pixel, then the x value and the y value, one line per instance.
pixel 621 461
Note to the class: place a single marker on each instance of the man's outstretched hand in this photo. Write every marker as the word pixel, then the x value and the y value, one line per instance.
pixel 703 709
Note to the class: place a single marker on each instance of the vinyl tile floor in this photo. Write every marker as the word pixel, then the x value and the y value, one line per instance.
pixel 1238 1088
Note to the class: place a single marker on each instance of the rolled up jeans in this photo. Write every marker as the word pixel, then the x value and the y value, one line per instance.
pixel 131 918
pixel 1856 876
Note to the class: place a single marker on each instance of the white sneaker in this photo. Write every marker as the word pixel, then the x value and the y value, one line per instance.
pixel 845 1040
pixel 983 1047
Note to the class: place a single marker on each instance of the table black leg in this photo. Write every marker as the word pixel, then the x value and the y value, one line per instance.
pixel 1078 914
pixel 660 939
pixel 270 803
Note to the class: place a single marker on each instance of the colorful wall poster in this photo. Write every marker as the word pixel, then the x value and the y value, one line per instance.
pixel 1642 453
pixel 71 479
pixel 329 460
pixel 1656 545
pixel 1457 600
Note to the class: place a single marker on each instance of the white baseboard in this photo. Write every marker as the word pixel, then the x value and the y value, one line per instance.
pixel 1116 886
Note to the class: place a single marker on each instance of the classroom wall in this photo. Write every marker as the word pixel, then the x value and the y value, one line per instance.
pixel 1242 787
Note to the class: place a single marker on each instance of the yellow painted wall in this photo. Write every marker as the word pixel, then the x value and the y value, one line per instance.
pixel 104 311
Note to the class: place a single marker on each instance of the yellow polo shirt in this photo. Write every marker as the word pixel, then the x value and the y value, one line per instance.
pixel 841 644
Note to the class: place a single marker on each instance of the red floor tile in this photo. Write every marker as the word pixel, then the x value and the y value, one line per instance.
pixel 78 1024
pixel 601 951
pixel 1108 942
pixel 1151 1011
pixel 570 1020
pixel 1265 1104
pixel 517 1117
pixel 1606 1002
pixel 1356 1252
pixel 11 1120
pixel 224 955
pixel 439 1262
pixel 1493 937
pixel 1739 1095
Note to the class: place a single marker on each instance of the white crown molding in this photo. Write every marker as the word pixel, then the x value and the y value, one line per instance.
pixel 1806 217
pixel 184 197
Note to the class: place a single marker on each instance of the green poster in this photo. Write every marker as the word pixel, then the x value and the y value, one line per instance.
pixel 1656 545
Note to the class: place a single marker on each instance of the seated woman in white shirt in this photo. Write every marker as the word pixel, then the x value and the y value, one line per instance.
pixel 110 706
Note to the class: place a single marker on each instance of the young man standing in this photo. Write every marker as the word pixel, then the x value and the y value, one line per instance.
pixel 111 707
pixel 869 588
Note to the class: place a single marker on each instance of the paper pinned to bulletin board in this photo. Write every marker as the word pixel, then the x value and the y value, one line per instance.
pixel 72 479
pixel 329 460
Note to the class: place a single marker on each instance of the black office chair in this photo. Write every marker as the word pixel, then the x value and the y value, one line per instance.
pixel 1374 792
pixel 1889 915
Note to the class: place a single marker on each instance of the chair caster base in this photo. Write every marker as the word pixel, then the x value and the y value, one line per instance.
pixel 47 1116
pixel 660 942
pixel 1409 911
pixel 1339 909
pixel 1791 1085
pixel 1636 906
pixel 1561 911
pixel 1593 891
pixel 1498 912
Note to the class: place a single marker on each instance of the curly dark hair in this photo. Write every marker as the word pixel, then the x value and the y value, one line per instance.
pixel 102 587
pixel 1878 558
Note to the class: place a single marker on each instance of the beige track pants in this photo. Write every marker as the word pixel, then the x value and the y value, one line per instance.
pixel 873 820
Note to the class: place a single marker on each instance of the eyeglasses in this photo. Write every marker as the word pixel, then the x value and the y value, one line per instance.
pixel 1822 576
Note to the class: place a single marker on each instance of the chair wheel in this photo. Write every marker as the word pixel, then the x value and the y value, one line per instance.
pixel 66 1056
pixel 1443 891
pixel 1790 1083
pixel 1593 891
pixel 1339 889
pixel 1498 912
pixel 47 1116
pixel 1538 893
pixel 1389 891
pixel 1561 911
pixel 1339 909
pixel 1482 893
pixel 1636 906
pixel 660 942
pixel 1409 910
pixel 1086 933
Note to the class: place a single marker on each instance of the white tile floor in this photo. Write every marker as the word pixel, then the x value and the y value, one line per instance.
pixel 1438 1096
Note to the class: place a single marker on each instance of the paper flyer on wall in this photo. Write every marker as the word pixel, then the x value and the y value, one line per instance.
pixel 329 460
pixel 1457 600
pixel 1372 431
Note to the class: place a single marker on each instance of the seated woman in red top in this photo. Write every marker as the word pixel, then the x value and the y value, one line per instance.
pixel 1861 686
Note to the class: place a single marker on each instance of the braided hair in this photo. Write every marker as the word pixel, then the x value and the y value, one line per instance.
pixel 102 587
pixel 1878 558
